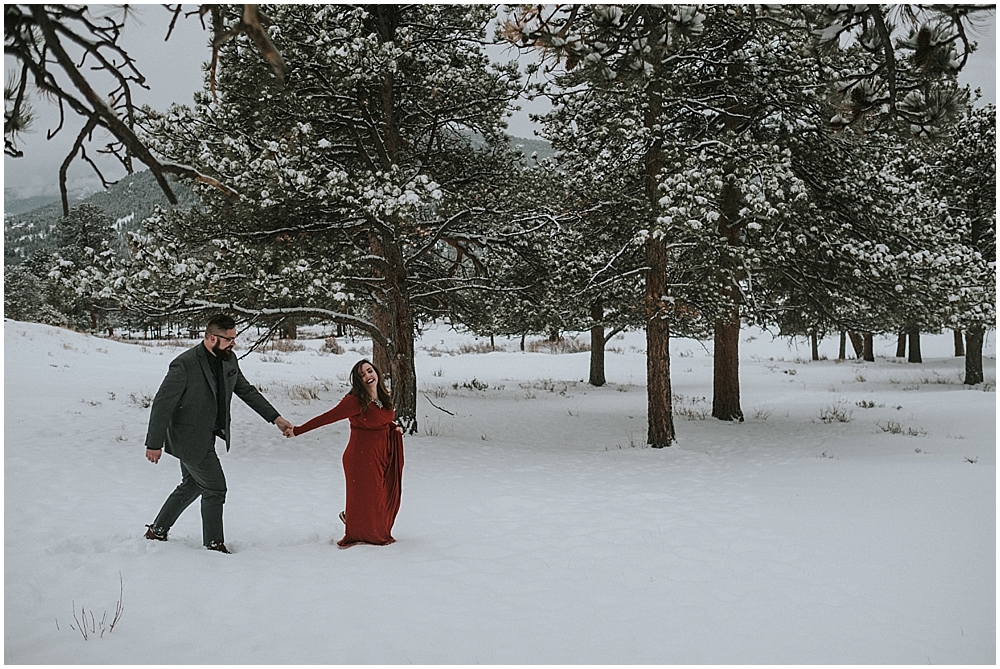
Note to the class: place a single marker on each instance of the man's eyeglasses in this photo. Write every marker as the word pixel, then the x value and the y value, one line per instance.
pixel 226 338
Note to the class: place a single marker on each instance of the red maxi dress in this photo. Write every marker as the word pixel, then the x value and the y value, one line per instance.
pixel 373 467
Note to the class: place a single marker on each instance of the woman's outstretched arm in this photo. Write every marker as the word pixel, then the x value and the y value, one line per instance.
pixel 349 406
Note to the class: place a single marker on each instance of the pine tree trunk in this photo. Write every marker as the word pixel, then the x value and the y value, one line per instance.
pixel 814 340
pixel 597 345
pixel 401 341
pixel 381 357
pixel 974 356
pixel 658 398
pixel 959 344
pixel 914 337
pixel 290 330
pixel 842 351
pixel 726 367
pixel 901 345
pixel 726 363
pixel 660 415
pixel 523 335
pixel 868 347
pixel 392 313
pixel 858 343
pixel 726 380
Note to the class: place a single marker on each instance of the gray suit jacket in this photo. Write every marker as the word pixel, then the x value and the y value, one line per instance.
pixel 183 415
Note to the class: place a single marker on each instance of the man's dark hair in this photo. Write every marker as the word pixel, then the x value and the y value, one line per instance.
pixel 219 324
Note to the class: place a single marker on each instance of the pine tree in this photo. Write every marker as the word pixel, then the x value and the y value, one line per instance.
pixel 85 241
pixel 628 51
pixel 965 176
pixel 367 186
pixel 24 297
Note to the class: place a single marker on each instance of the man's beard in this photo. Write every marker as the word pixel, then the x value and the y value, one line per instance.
pixel 222 353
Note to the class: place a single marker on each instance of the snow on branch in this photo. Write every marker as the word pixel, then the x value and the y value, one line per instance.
pixel 307 312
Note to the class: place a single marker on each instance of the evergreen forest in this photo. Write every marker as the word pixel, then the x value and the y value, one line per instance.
pixel 814 170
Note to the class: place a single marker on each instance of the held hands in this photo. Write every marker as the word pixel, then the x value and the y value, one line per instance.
pixel 286 428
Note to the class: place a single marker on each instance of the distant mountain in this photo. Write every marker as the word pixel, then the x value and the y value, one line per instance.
pixel 12 205
pixel 128 202
pixel 538 147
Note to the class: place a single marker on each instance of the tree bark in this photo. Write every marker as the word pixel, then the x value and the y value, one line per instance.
pixel 381 318
pixel 658 394
pixel 814 340
pixel 914 337
pixel 857 342
pixel 901 345
pixel 290 330
pixel 659 414
pixel 401 344
pixel 868 347
pixel 842 351
pixel 726 362
pixel 959 344
pixel 974 356
pixel 597 377
pixel 726 380
pixel 394 312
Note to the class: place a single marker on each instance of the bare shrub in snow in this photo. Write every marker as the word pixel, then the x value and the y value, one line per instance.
pixel 691 408
pixel 285 346
pixel 867 404
pixel 836 413
pixel 434 429
pixel 474 384
pixel 892 427
pixel 561 345
pixel 331 345
pixel 302 393
pixel 478 347
pixel 142 400
pixel 87 623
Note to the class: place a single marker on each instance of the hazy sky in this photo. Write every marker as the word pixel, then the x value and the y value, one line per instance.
pixel 174 70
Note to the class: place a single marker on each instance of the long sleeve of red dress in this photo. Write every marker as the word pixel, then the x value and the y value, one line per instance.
pixel 373 468
pixel 349 406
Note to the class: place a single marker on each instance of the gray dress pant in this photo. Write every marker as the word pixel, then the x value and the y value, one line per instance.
pixel 205 479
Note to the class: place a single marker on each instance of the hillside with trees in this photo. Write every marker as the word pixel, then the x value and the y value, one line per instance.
pixel 127 203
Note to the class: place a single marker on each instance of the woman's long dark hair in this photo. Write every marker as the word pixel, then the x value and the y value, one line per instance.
pixel 359 390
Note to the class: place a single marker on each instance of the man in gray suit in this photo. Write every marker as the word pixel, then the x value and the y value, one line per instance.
pixel 190 410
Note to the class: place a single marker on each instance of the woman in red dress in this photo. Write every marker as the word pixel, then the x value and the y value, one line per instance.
pixel 373 461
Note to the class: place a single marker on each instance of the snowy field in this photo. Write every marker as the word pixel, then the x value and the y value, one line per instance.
pixel 535 526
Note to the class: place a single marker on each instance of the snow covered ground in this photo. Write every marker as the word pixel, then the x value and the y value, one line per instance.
pixel 535 526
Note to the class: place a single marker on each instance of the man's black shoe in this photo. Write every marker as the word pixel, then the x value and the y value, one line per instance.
pixel 155 533
pixel 218 546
